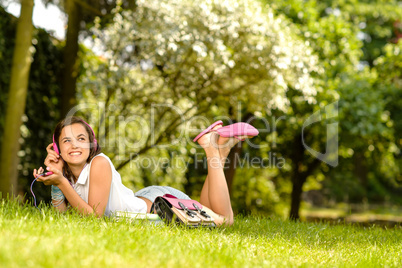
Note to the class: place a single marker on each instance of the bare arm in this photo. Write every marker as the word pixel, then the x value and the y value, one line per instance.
pixel 53 160
pixel 99 187
pixel 58 204
pixel 100 179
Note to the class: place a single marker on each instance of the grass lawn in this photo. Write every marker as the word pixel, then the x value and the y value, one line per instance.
pixel 30 238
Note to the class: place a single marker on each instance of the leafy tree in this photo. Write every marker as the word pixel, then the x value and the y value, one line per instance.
pixel 16 100
pixel 81 14
pixel 7 43
pixel 42 109
pixel 41 112
pixel 167 63
pixel 334 31
pixel 390 74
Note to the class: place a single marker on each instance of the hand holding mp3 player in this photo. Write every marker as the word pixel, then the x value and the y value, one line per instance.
pixel 41 173
pixel 44 174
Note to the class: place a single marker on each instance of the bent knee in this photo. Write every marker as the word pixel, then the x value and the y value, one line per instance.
pixel 224 221
pixel 219 220
pixel 230 221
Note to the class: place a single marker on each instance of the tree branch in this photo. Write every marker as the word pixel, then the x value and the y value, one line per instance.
pixel 88 7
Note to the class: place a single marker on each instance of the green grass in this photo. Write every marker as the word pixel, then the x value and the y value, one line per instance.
pixel 30 238
pixel 390 216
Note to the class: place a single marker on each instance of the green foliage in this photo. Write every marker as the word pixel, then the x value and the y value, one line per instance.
pixel 167 67
pixel 254 191
pixel 41 112
pixel 329 33
pixel 204 59
pixel 30 238
pixel 7 37
pixel 168 63
pixel 375 23
pixel 347 35
pixel 369 147
pixel 389 68
pixel 379 22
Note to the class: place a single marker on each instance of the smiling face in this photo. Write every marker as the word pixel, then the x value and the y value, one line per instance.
pixel 74 144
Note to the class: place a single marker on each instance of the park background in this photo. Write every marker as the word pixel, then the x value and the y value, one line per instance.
pixel 145 72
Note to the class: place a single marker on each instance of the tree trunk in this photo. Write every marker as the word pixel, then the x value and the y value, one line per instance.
pixel 22 58
pixel 301 170
pixel 297 185
pixel 71 61
pixel 361 172
pixel 297 189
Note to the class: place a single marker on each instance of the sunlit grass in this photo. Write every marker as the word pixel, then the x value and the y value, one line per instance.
pixel 385 216
pixel 30 238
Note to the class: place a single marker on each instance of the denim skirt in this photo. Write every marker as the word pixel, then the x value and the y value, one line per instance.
pixel 152 192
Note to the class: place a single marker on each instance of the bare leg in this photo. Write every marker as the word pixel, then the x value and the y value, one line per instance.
pixel 224 145
pixel 215 192
pixel 204 198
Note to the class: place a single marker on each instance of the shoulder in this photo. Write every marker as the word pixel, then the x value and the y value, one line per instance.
pixel 100 165
pixel 100 160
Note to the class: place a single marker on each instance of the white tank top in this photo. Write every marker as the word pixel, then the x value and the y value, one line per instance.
pixel 121 198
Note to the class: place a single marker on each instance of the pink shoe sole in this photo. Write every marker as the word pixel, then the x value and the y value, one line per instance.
pixel 236 130
pixel 208 129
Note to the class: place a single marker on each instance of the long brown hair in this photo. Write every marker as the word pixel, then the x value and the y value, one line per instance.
pixel 94 150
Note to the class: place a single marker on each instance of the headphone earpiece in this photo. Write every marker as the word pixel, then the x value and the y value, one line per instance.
pixel 55 146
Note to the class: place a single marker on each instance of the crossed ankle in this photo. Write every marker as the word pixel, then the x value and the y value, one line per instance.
pixel 215 162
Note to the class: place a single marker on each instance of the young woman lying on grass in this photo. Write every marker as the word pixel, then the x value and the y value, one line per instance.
pixel 87 180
